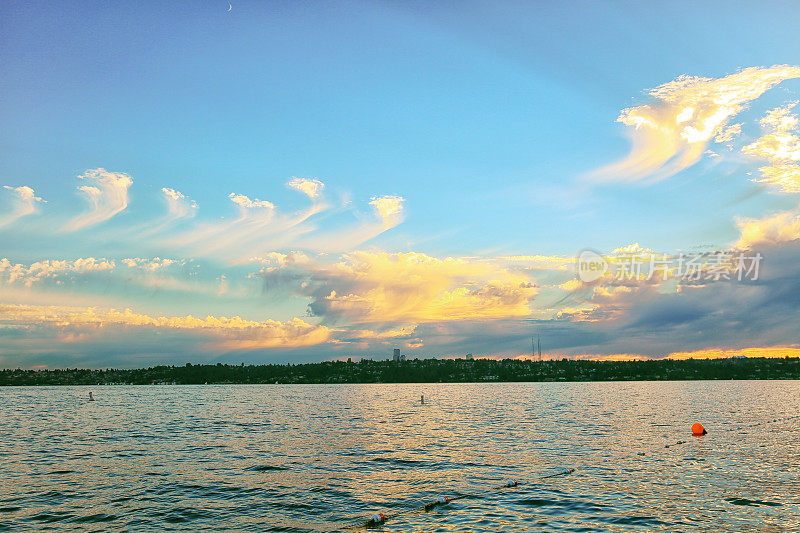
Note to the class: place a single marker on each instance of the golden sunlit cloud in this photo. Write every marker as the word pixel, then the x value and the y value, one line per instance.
pixel 771 230
pixel 224 333
pixel 23 203
pixel 612 357
pixel 107 197
pixel 389 209
pixel 729 134
pixel 722 353
pixel 581 314
pixel 780 147
pixel 712 353
pixel 376 287
pixel 672 133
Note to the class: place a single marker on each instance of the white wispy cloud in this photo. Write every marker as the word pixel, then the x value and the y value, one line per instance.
pixel 108 196
pixel 387 213
pixel 261 227
pixel 23 202
pixel 672 133
pixel 258 227
pixel 178 205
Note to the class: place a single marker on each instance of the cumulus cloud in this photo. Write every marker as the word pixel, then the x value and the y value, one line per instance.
pixel 311 187
pixel 151 265
pixel 780 147
pixel 404 288
pixel 23 202
pixel 50 269
pixel 658 320
pixel 108 195
pixel 782 227
pixel 389 209
pixel 367 302
pixel 672 133
pixel 178 205
pixel 223 333
pixel 246 203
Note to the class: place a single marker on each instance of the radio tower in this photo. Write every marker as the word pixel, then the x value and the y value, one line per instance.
pixel 536 341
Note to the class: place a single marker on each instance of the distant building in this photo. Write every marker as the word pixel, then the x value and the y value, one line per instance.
pixel 396 356
pixel 469 356
pixel 403 357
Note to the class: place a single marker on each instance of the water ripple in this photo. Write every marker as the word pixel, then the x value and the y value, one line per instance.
pixel 314 457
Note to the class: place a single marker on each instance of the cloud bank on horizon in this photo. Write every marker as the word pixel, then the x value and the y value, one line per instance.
pixel 266 284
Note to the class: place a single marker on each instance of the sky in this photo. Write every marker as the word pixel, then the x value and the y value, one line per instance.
pixel 273 182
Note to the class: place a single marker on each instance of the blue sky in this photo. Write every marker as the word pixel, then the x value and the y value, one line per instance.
pixel 485 123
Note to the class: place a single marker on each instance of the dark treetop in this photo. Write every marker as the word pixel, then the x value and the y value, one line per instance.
pixel 420 371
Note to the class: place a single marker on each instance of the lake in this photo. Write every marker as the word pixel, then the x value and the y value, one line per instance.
pixel 317 457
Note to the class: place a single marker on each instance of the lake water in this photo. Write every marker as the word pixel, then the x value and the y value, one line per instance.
pixel 315 457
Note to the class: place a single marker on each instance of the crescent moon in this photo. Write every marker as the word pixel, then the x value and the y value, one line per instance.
pixel 230 7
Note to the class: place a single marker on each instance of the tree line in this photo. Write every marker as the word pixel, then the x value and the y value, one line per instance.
pixel 419 371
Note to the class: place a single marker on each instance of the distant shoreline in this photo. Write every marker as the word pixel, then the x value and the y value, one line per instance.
pixel 420 371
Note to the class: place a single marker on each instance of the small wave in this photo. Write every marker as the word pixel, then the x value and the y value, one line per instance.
pixel 94 518
pixel 634 520
pixel 533 502
pixel 186 514
pixel 752 503
pixel 50 517
pixel 401 462
pixel 266 468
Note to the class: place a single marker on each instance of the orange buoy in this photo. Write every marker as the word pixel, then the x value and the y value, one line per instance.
pixel 698 430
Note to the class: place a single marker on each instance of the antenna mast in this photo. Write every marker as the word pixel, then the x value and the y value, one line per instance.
pixel 539 341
